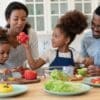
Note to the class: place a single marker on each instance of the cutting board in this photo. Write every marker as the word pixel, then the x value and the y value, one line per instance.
pixel 22 81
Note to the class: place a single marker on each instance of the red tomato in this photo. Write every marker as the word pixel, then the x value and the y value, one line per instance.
pixel 22 37
pixel 96 80
pixel 30 75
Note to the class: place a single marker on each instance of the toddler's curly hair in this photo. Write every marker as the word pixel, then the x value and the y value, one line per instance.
pixel 3 36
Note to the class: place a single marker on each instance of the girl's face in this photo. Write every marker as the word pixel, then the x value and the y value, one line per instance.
pixel 4 52
pixel 17 20
pixel 59 40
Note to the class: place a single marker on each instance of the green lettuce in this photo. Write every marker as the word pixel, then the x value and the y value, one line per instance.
pixel 61 86
pixel 59 75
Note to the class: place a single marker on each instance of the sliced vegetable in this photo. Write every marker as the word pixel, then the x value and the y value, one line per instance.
pixel 61 86
pixel 96 80
pixel 58 75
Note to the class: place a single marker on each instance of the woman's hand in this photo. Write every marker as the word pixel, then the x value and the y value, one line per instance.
pixel 26 45
pixel 93 70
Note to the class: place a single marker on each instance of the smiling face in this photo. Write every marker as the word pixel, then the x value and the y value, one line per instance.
pixel 17 20
pixel 59 40
pixel 95 25
pixel 4 52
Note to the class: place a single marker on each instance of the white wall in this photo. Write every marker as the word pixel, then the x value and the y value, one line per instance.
pixel 3 5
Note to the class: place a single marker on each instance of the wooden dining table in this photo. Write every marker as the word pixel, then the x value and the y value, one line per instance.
pixel 36 92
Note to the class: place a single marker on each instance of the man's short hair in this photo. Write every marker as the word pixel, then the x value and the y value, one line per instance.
pixel 97 10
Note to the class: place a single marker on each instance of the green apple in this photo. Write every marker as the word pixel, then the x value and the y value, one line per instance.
pixel 82 71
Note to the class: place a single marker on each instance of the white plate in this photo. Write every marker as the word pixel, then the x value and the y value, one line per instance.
pixel 18 89
pixel 87 80
pixel 83 89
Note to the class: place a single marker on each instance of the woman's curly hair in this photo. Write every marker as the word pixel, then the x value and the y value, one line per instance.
pixel 3 36
pixel 72 23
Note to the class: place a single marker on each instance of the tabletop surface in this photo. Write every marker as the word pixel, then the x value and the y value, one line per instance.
pixel 36 92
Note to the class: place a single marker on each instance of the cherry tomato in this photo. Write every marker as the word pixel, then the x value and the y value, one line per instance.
pixel 96 80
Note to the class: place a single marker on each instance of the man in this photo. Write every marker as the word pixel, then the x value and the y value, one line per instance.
pixel 91 44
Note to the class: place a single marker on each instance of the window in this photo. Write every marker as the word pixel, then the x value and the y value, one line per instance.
pixel 58 7
pixel 99 2
pixel 84 6
pixel 43 14
pixel 36 14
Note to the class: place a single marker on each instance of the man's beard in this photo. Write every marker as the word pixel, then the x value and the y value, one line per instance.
pixel 97 36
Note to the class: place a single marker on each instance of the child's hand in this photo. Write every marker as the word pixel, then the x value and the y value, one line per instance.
pixel 6 71
pixel 88 61
pixel 22 38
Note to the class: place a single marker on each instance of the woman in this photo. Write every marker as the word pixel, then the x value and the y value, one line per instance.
pixel 16 16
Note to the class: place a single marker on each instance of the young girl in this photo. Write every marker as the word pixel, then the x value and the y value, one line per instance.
pixel 5 69
pixel 4 48
pixel 4 53
pixel 71 24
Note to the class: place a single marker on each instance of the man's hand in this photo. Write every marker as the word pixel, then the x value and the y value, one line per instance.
pixel 93 70
pixel 88 61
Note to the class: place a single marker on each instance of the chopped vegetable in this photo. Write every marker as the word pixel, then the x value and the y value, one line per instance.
pixel 61 86
pixel 58 75
pixel 96 80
